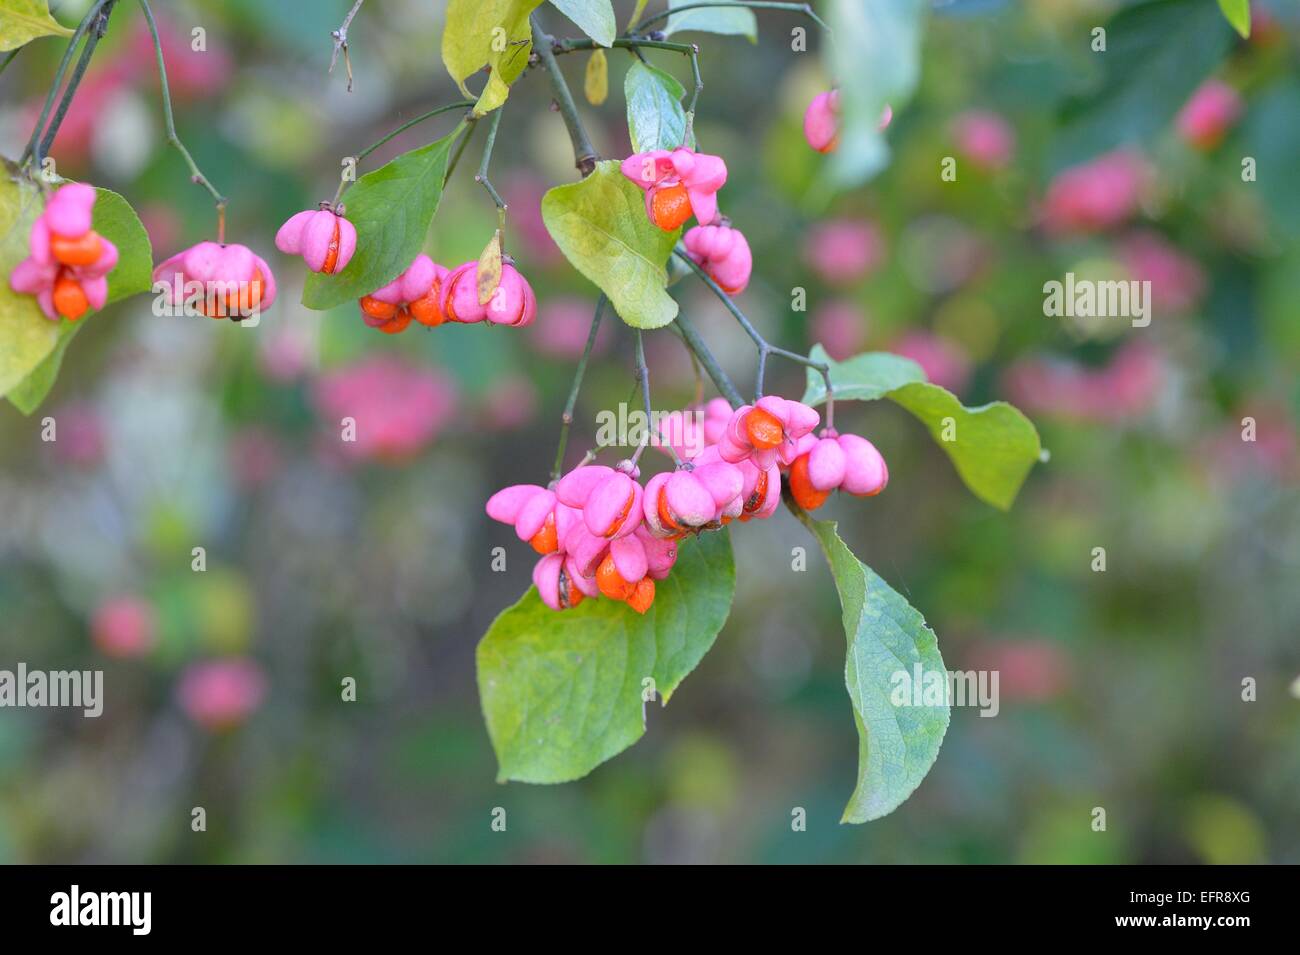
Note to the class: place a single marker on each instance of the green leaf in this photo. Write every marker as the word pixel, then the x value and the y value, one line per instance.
pixel 29 393
pixel 655 118
pixel 876 60
pixel 728 20
pixel 864 377
pixel 492 33
pixel 115 220
pixel 897 744
pixel 593 17
pixel 562 691
pixel 1237 13
pixel 25 20
pixel 992 447
pixel 601 226
pixel 26 335
pixel 1157 53
pixel 391 209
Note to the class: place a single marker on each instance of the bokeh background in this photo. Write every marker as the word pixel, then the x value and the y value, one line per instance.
pixel 1120 689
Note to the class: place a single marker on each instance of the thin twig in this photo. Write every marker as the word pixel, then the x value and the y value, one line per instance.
pixel 482 176
pixel 566 419
pixel 461 104
pixel 460 149
pixel 643 378
pixel 341 42
pixel 196 175
pixel 764 348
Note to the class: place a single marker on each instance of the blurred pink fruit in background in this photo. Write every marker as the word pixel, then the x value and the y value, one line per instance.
pixel 842 251
pixel 985 138
pixel 123 626
pixel 398 408
pixel 79 435
pixel 1206 118
pixel 1177 281
pixel 1033 671
pixel 1125 388
pixel 1096 195
pixel 254 455
pixel 510 404
pixel 841 326
pixel 220 694
pixel 944 361
pixel 563 324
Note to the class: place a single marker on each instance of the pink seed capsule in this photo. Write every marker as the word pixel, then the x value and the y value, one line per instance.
pixel 325 240
pixel 723 253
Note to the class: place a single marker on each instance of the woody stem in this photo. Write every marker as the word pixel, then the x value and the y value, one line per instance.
pixel 584 153
pixel 691 339
pixel 32 152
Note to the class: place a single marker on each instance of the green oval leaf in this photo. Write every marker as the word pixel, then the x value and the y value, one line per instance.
pixel 898 740
pixel 727 18
pixel 601 226
pixel 115 220
pixel 593 17
pixel 863 377
pixel 562 691
pixel 24 20
pixel 993 447
pixel 391 209
pixel 655 118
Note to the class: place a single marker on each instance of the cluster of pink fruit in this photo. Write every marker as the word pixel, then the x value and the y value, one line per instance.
pixel 425 292
pixel 69 262
pixel 601 533
pixel 683 183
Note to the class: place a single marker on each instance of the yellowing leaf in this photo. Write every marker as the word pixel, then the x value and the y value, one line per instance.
pixel 26 335
pixel 600 225
pixel 491 33
pixel 488 274
pixel 1237 13
pixel 25 20
pixel 596 84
